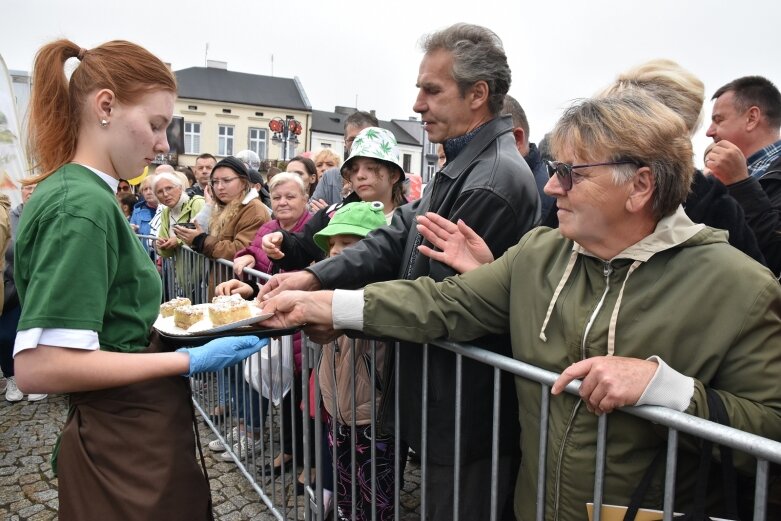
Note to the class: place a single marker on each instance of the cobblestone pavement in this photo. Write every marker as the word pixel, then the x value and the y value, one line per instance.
pixel 28 490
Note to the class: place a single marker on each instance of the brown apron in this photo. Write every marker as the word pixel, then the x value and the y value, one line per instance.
pixel 128 453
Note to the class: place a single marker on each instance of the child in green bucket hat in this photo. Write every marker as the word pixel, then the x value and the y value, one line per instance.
pixel 343 373
pixel 351 223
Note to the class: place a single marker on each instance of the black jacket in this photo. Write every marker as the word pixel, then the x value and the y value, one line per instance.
pixel 491 188
pixel 761 202
pixel 300 248
pixel 710 203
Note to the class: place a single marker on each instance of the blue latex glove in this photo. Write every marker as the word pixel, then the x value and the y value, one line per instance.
pixel 222 352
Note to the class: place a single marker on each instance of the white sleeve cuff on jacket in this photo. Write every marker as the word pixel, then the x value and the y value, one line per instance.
pixel 668 388
pixel 347 309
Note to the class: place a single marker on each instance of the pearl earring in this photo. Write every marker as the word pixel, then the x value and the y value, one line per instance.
pixel 103 123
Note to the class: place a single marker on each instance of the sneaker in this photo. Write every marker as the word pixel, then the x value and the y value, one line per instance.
pixel 240 448
pixel 36 397
pixel 12 392
pixel 217 445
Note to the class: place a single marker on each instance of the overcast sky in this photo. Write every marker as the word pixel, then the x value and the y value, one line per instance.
pixel 559 50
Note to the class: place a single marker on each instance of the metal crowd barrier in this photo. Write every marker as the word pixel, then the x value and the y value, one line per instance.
pixel 275 488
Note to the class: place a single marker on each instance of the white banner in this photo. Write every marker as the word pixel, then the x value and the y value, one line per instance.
pixel 13 162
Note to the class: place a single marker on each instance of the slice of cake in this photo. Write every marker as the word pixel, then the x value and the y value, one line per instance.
pixel 228 311
pixel 227 298
pixel 167 308
pixel 186 316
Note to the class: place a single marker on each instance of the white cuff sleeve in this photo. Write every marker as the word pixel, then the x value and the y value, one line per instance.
pixel 668 388
pixel 70 338
pixel 347 309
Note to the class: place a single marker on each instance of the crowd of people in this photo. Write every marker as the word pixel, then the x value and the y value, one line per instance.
pixel 601 254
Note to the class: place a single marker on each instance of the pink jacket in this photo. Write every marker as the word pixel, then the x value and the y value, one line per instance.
pixel 262 262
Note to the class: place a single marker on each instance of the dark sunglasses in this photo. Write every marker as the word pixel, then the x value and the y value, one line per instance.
pixel 563 171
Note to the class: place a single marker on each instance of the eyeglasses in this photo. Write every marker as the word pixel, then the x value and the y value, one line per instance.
pixel 224 182
pixel 563 171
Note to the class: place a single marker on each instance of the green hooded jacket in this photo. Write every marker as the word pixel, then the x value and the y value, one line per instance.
pixel 682 293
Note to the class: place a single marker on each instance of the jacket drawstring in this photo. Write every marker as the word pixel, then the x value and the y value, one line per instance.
pixel 567 272
pixel 611 332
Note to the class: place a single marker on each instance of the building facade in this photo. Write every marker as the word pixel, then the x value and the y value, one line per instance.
pixel 225 112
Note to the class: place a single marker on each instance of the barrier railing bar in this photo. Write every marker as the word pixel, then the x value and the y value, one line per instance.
pixel 599 471
pixel 495 444
pixel 669 474
pixel 457 439
pixel 760 447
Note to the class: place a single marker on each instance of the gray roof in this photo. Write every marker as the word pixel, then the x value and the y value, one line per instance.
pixel 413 127
pixel 333 123
pixel 327 122
pixel 215 84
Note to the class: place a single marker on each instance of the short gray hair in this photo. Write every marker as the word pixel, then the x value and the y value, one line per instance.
pixel 287 177
pixel 173 178
pixel 478 55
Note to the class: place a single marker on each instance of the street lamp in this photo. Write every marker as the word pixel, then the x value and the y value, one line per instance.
pixel 285 131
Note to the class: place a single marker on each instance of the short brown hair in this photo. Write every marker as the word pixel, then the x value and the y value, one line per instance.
pixel 756 91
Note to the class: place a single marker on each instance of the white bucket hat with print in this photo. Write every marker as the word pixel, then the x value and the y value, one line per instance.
pixel 376 143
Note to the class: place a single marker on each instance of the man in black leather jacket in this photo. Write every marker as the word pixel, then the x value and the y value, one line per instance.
pixel 462 82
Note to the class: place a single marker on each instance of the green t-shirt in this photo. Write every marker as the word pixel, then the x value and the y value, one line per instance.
pixel 78 265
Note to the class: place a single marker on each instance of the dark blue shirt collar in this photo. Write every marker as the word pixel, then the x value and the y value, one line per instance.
pixel 455 145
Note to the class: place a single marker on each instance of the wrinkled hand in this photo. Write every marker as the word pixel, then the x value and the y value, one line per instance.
pixel 608 382
pixel 167 243
pixel 232 287
pixel 222 352
pixel 726 162
pixel 318 204
pixel 298 280
pixel 186 235
pixel 296 308
pixel 460 247
pixel 310 308
pixel 240 263
pixel 271 245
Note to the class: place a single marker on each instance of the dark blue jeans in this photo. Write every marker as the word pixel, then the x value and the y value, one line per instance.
pixel 9 320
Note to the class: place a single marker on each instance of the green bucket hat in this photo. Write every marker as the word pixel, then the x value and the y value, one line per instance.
pixel 377 143
pixel 352 219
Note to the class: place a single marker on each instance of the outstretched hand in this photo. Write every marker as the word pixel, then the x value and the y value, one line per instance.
pixel 298 280
pixel 272 244
pixel 458 244
pixel 608 382
pixel 222 352
pixel 314 309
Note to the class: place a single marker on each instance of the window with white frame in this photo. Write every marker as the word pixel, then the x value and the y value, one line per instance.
pixel 407 162
pixel 429 173
pixel 225 140
pixel 432 148
pixel 257 141
pixel 192 137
